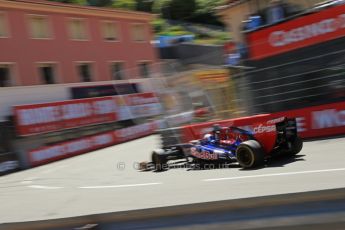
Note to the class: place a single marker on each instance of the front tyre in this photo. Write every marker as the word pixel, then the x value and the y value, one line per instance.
pixel 159 159
pixel 249 154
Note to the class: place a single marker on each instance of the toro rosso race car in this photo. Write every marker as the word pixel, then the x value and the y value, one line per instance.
pixel 226 145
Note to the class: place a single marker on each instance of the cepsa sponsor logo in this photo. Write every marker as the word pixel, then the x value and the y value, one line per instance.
pixel 264 129
pixel 283 38
pixel 206 155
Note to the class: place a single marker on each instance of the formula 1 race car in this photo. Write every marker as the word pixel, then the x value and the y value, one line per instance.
pixel 232 144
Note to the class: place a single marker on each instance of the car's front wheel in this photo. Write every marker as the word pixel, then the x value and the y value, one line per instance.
pixel 249 154
pixel 159 159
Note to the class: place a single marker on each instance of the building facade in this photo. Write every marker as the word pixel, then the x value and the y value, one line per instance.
pixel 52 43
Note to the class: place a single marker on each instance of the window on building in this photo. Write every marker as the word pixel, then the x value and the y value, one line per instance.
pixel 110 31
pixel 5 75
pixel 47 73
pixel 78 29
pixel 139 32
pixel 144 69
pixel 39 27
pixel 117 71
pixel 85 72
pixel 3 29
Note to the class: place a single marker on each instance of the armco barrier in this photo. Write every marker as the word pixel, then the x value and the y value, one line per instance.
pixel 75 147
pixel 167 216
pixel 317 121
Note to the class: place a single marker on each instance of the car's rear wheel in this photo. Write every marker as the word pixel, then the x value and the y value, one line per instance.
pixel 159 160
pixel 296 146
pixel 249 154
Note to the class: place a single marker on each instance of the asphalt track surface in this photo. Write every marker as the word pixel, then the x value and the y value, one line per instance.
pixel 107 181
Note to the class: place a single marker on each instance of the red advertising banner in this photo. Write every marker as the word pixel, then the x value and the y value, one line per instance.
pixel 312 122
pixel 47 117
pixel 88 111
pixel 325 25
pixel 38 118
pixel 55 116
pixel 75 147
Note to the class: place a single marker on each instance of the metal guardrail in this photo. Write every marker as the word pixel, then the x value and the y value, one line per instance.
pixel 278 210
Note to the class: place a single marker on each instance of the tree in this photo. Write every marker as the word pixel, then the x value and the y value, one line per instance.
pixel 100 2
pixel 205 13
pixel 144 5
pixel 125 4
pixel 182 9
pixel 159 6
pixel 207 6
pixel 79 2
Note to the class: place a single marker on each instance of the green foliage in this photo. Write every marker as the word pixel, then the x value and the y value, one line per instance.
pixel 79 2
pixel 100 2
pixel 182 9
pixel 197 11
pixel 205 12
pixel 207 6
pixel 159 6
pixel 144 5
pixel 174 33
pixel 176 28
pixel 159 25
pixel 125 4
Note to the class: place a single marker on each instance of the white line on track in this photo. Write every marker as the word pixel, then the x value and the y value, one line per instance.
pixel 118 186
pixel 276 174
pixel 43 187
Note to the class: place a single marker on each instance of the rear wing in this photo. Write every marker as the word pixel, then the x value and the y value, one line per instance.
pixel 266 133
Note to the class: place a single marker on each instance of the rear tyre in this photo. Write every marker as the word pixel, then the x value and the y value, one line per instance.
pixel 159 160
pixel 249 154
pixel 296 146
